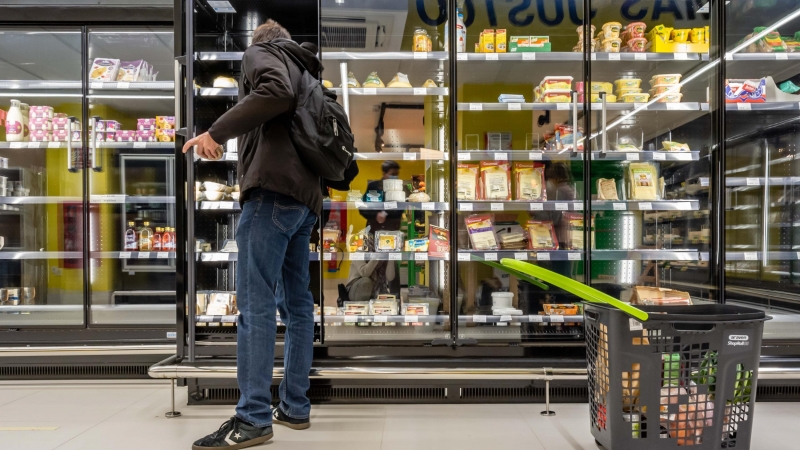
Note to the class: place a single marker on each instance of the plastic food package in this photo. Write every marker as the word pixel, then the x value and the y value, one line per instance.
pixel 165 122
pixel 607 189
pixel 399 81
pixel 542 235
pixel 330 238
pixel 670 146
pixel 612 45
pixel 165 135
pixel 512 237
pixel 429 84
pixel 416 245
pixel 104 69
pixel 415 309
pixel 568 309
pixel 40 112
pixel 327 84
pixel 438 241
pixel 392 184
pixel 467 181
pixel 496 180
pixel 636 97
pixel 575 224
pixel 126 136
pixel 637 45
pixel 373 81
pixel 556 82
pixel 557 96
pixel 360 308
pixel 374 196
pixel 133 71
pixel 418 196
pixel 610 30
pixel 500 45
pixel 643 181
pixel 529 181
pixel 624 83
pixel 145 136
pixel 146 124
pixel 388 241
pixel 654 296
pixel 394 196
pixel 636 29
pixel 481 232
pixel 383 307
pixel 670 98
pixel 610 98
pixel 672 78
pixel 225 82
pixel 420 41
pixel 358 242
pixel 487 41
pixel 601 86
pixel 665 88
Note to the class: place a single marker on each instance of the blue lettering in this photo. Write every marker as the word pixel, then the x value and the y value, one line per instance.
pixel 515 11
pixel 671 7
pixel 490 13
pixel 469 14
pixel 573 12
pixel 543 16
pixel 626 10
pixel 423 14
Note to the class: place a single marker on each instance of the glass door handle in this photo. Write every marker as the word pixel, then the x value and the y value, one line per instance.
pixel 604 136
pixel 94 149
pixel 70 166
pixel 178 81
pixel 574 121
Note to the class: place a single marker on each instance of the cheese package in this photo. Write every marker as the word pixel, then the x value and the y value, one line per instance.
pixel 438 241
pixel 607 189
pixel 358 241
pixel 373 81
pixel 496 180
pixel 398 81
pixel 556 83
pixel 500 41
pixel 416 245
pixel 104 69
pixel 643 181
pixel 573 240
pixel 647 295
pixel 383 307
pixel 529 182
pixel 132 71
pixel 541 235
pixel 219 304
pixel 567 309
pixel 467 181
pixel 388 241
pixel 481 232
pixel 415 309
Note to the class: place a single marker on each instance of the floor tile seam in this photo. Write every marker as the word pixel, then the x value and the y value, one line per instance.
pixel 20 398
pixel 528 424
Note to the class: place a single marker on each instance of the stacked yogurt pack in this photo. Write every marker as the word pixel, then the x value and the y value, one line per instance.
pixel 109 70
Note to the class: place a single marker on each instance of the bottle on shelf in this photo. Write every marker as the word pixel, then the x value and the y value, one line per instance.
pixel 461 33
pixel 146 238
pixel 14 123
pixel 131 243
pixel 158 239
pixel 170 239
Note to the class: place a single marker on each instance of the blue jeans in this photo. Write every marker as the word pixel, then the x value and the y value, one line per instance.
pixel 273 237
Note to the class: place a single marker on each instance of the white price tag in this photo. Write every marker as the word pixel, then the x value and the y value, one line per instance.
pixel 476 106
pixel 225 205
pixel 465 206
pixel 350 319
pixel 380 319
pixel 536 206
pixel 635 325
pixel 389 205
pixel 681 56
pixel 108 198
pixel 420 256
pixel 124 255
pixel 594 56
pixel 542 256
pixel 420 91
pixel 360 205
pixel 521 256
pixel 123 85
pixel 463 156
pixel 797 255
pixel 515 106
pixel 743 106
pixel 631 156
pixel 640 56
pixel 96 85
pixel 395 256
pixel 505 318
pixel 752 182
pixel 356 256
pixel 674 106
pixel 420 55
pixel 497 207
pixel 218 256
pixel 411 319
pixel 463 257
pixel 614 56
pixel 428 206
pixel 231 156
pixel 619 207
pixel 231 318
pixel 162 255
pixel 140 145
pixel 573 256
pixel 491 57
pixel 781 56
pixel 659 156
pixel 556 319
pixel 479 318
pixel 596 106
pixel 144 255
pixel 370 91
pixel 562 206
pixel 536 319
pixel 535 156
pixel 562 106
pixel 461 57
pixel 577 206
pixel 327 256
pixel 35 144
pixel 53 145
pixel 638 105
pixel 529 56
pixel 501 156
pixel 645 206
pixel 16 145
pixel 751 256
pixel 490 256
pixel 704 182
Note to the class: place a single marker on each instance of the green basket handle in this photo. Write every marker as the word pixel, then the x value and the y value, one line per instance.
pixel 586 293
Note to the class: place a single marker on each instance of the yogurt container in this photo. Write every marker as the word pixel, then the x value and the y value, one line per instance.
pixel 165 122
pixel 168 136
pixel 636 29
pixel 146 135
pixel 627 83
pixel 62 123
pixel 111 136
pixel 611 45
pixel 635 97
pixel 41 112
pixel 146 124
pixel 126 136
pixel 637 45
pixel 41 136
pixel 40 125
pixel 610 30
pixel 672 78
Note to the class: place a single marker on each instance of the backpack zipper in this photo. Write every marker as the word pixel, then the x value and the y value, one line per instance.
pixel 335 128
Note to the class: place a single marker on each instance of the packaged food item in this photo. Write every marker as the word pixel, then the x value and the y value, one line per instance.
pixel 132 71
pixel 670 146
pixel 529 181
pixel 610 98
pixel 569 309
pixel 110 136
pixel 680 35
pixel 635 97
pixel 647 295
pixel 643 181
pixel 496 180
pixel 165 135
pixel 373 81
pixel 358 308
pixel 41 112
pixel 612 45
pixel 418 196
pixel 383 307
pixel 636 29
pixel 40 125
pixel 623 83
pixel 429 84
pixel 610 30
pixel 106 125
pixel 697 35
pixel 219 304
pixel 607 189
pixel 670 98
pixel 665 88
pixel 388 241
pixel 636 45
pixel 746 91
pixel 145 136
pixel 66 135
pixel 165 122
pixel 416 245
pixel 500 41
pixel 63 123
pixel 41 135
pixel 665 79
pixel 420 41
pixel 146 124
pixel 541 235
pixel 557 96
pixel 467 181
pixel 438 241
pixel 225 82
pixel 104 69
pixel 601 86
pixel 126 136
pixel 327 84
pixel 556 83
pixel 394 196
pixel 480 228
pixel 399 81
pixel 359 241
pixel 574 233
pixel 512 237
pixel 488 41
pixel 415 309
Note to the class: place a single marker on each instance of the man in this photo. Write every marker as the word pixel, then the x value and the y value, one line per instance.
pixel 383 220
pixel 280 200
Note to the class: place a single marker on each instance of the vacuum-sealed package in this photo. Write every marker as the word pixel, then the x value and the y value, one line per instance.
pixel 388 241
pixel 529 181
pixel 574 231
pixel 607 189
pixel 467 181
pixel 643 181
pixel 359 241
pixel 481 232
pixel 496 180
pixel 541 235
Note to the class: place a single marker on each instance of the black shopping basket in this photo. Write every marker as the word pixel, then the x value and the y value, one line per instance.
pixel 685 377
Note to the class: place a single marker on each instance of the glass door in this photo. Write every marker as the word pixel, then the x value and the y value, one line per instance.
pixel 761 199
pixel 520 169
pixel 131 128
pixel 385 242
pixel 41 178
pixel 651 140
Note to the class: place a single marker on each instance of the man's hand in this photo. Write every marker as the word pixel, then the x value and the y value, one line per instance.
pixel 206 147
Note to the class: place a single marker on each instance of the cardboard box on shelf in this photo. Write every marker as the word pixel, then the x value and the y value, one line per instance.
pixel 648 295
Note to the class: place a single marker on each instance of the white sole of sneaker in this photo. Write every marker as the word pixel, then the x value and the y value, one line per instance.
pixel 246 444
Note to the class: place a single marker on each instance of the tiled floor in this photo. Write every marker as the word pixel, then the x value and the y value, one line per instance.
pixel 131 417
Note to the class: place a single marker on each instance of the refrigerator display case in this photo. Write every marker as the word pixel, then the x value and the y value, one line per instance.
pixel 80 177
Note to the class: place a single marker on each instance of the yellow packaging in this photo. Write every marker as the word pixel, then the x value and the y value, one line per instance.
pixel 697 35
pixel 488 41
pixel 680 35
pixel 500 41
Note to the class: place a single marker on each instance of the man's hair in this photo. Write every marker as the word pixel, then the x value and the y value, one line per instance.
pixel 268 31
pixel 389 165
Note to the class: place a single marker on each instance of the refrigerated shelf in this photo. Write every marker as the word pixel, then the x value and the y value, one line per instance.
pixel 40 255
pixel 388 56
pixel 578 56
pixel 412 91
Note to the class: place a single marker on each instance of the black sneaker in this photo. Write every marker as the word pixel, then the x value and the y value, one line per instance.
pixel 234 434
pixel 296 424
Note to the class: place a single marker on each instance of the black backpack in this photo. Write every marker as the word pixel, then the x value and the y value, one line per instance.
pixel 319 128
